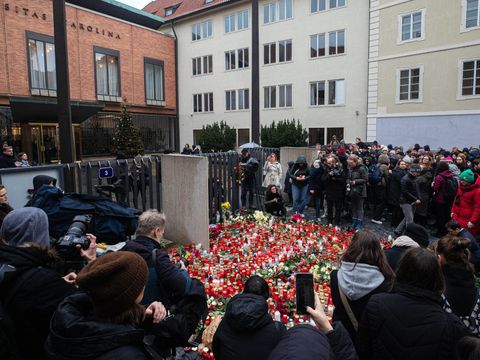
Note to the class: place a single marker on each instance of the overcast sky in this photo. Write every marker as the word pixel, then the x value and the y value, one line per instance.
pixel 136 3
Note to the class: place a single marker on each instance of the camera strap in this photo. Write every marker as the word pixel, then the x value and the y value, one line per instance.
pixel 348 309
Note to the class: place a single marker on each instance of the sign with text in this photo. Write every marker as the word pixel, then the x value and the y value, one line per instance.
pixel 105 173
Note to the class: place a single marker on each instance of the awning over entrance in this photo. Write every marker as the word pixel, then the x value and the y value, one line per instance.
pixel 31 109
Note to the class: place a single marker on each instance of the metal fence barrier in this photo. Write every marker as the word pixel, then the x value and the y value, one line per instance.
pixel 224 180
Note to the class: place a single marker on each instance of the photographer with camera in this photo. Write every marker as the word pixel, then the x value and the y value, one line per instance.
pixel 30 285
pixel 168 283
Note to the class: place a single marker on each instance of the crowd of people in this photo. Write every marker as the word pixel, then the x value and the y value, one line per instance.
pixel 416 185
pixel 417 299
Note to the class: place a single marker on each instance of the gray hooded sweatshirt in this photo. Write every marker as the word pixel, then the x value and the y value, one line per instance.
pixel 358 280
pixel 25 225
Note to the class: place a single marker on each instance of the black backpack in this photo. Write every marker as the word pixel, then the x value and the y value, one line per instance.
pixel 374 175
pixel 8 343
pixel 252 165
pixel 451 188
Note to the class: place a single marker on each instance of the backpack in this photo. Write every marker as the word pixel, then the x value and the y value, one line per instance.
pixel 8 344
pixel 451 188
pixel 374 175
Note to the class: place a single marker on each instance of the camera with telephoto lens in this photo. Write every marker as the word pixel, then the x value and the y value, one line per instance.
pixel 69 245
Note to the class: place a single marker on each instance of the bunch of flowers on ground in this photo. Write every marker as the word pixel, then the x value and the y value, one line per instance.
pixel 256 244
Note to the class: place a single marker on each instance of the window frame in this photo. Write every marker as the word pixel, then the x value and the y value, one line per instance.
pixel 271 88
pixel 30 35
pixel 463 27
pixel 160 63
pixel 279 91
pixel 230 53
pixel 285 45
pixel 327 6
pixel 336 32
pixel 326 89
pixel 400 26
pixel 460 95
pixel 276 5
pixel 203 97
pixel 200 25
pixel 243 50
pixel 317 36
pixel 107 52
pixel 420 85
pixel 202 65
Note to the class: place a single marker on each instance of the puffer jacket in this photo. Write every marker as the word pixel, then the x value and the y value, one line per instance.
pixel 408 323
pixel 75 335
pixel 360 176
pixel 409 190
pixel 247 330
pixel 466 207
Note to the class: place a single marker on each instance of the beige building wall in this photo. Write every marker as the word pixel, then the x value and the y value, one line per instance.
pixel 352 66
pixel 439 53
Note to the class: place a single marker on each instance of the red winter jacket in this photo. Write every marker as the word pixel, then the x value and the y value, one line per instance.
pixel 466 207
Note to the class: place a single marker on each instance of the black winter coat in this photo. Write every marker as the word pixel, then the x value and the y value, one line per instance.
pixel 304 342
pixel 316 184
pixel 35 301
pixel 76 334
pixel 408 323
pixel 7 161
pixel 334 182
pixel 409 190
pixel 357 306
pixel 394 188
pixel 176 283
pixel 247 331
pixel 460 289
pixel 359 175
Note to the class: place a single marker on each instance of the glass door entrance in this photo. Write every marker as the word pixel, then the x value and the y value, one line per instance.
pixel 45 143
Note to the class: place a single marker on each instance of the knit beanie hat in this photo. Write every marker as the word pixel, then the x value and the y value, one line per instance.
pixel 415 169
pixel 114 281
pixel 467 176
pixel 418 234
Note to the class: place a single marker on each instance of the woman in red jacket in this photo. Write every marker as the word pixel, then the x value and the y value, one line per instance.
pixel 466 207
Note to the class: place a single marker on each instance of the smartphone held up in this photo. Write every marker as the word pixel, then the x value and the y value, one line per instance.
pixel 305 292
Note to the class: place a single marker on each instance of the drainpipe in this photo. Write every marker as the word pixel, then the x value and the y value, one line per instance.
pixel 177 117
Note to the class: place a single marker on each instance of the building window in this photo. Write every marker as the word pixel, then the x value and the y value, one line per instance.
pixel 471 78
pixel 270 53
pixel 203 102
pixel 171 10
pixel 412 26
pixel 202 30
pixel 230 100
pixel 243 136
pixel 285 50
pixel 472 14
pixel 285 96
pixel 336 42
pixel 41 54
pixel 243 59
pixel 316 136
pixel 409 85
pixel 242 20
pixel 230 63
pixel 337 132
pixel 243 99
pixel 237 99
pixel 277 10
pixel 317 45
pixel 322 5
pixel 229 23
pixel 107 72
pixel 202 65
pixel 154 82
pixel 208 1
pixel 333 90
pixel 270 97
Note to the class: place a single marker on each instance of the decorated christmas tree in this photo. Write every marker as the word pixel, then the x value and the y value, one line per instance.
pixel 126 138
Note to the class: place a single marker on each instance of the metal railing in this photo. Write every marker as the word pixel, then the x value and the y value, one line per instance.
pixel 224 180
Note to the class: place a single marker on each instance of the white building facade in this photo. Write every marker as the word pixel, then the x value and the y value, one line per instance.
pixel 313 61
pixel 424 72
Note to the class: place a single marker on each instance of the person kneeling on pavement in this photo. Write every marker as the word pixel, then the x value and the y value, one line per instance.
pixel 247 331
pixel 183 296
pixel 104 320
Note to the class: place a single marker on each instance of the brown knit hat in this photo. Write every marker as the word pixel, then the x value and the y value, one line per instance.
pixel 114 281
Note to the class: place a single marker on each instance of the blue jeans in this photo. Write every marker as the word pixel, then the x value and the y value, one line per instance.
pixel 300 198
pixel 248 186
